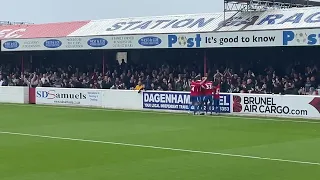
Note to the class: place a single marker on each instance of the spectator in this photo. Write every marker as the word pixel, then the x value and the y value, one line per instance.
pixel 307 85
pixel 139 86
pixel 45 83
pixel 218 75
pixel 35 80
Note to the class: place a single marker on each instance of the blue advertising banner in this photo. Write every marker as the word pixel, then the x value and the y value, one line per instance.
pixel 179 101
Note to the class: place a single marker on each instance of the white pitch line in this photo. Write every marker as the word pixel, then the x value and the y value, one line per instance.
pixel 172 113
pixel 163 148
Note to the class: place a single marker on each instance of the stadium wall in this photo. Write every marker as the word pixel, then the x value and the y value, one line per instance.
pixel 267 105
pixel 14 95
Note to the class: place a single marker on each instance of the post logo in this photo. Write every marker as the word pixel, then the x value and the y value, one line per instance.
pixel 300 38
pixel 184 41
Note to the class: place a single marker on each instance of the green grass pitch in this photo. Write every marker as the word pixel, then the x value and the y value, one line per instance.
pixel 54 143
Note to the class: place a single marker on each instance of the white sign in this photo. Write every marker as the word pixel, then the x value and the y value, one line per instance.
pixel 272 19
pixel 69 97
pixel 85 43
pixel 9 94
pixel 204 40
pixel 243 39
pixel 277 105
pixel 226 39
pixel 153 25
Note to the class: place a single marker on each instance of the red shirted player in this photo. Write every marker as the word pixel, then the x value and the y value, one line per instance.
pixel 208 95
pixel 216 98
pixel 195 94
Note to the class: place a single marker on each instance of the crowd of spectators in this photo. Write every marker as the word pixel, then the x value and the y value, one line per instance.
pixel 165 78
pixel 294 78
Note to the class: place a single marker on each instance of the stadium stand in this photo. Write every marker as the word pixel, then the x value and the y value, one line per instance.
pixel 296 74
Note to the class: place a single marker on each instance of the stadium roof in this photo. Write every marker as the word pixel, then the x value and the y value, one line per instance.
pixel 295 18
pixel 40 30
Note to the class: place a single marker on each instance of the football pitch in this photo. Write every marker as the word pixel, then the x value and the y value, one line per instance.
pixel 55 143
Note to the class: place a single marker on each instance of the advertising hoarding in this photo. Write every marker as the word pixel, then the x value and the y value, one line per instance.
pixel 277 105
pixel 161 41
pixel 178 101
pixel 69 97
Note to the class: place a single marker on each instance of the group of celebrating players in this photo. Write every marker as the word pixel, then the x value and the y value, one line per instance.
pixel 205 96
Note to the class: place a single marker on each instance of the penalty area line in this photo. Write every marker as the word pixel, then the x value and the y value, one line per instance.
pixel 162 148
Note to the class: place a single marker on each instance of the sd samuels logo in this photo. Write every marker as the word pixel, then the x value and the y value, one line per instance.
pixel 268 105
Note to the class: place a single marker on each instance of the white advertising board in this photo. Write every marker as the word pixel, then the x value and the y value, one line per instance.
pixel 69 97
pixel 9 94
pixel 193 40
pixel 290 106
pixel 277 105
pixel 85 43
pixel 122 99
pixel 226 39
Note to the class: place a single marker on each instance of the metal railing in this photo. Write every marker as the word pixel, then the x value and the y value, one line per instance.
pixel 3 23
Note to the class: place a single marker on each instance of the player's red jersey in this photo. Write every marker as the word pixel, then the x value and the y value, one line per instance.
pixel 208 88
pixel 195 89
pixel 216 92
